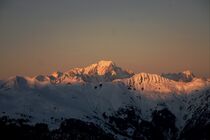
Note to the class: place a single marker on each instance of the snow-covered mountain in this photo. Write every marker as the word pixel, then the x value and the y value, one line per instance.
pixel 114 103
pixel 185 76
pixel 103 71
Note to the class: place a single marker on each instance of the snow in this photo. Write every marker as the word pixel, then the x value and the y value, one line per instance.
pixel 185 76
pixel 57 74
pixel 103 71
pixel 98 88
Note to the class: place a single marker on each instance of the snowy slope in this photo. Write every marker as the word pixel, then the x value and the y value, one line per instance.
pixel 185 76
pixel 102 88
pixel 103 71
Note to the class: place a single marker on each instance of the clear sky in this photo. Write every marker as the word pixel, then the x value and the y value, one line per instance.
pixel 155 36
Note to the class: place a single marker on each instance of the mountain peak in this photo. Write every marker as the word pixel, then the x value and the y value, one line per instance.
pixel 100 68
pixel 19 82
pixel 105 63
pixel 188 73
pixel 57 74
pixel 185 76
pixel 101 71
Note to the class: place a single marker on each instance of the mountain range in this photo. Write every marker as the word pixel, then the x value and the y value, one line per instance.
pixel 104 101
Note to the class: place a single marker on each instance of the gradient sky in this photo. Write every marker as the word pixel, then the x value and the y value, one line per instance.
pixel 155 36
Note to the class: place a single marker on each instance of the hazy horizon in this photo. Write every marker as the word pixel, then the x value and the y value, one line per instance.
pixel 157 36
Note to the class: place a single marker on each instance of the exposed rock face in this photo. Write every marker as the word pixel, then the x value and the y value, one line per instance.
pixel 126 123
pixel 103 101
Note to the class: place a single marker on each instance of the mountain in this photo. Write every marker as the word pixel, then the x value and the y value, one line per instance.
pixel 103 71
pixel 17 82
pixel 103 101
pixel 185 76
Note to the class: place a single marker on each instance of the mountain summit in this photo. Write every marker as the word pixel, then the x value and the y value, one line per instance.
pixel 105 71
pixel 102 71
pixel 185 76
pixel 103 101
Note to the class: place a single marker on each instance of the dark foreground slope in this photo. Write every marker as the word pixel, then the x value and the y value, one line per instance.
pixel 103 101
pixel 126 123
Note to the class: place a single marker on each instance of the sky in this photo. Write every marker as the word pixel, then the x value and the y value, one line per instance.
pixel 154 36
